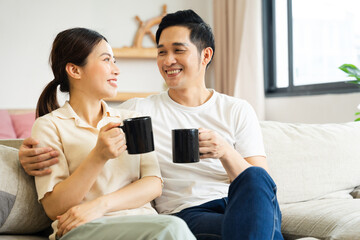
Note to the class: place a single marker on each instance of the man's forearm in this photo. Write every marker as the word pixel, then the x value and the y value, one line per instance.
pixel 233 163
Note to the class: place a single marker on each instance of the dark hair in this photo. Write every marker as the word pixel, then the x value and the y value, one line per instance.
pixel 70 46
pixel 200 32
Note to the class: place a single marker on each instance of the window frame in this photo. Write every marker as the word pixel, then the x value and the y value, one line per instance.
pixel 269 55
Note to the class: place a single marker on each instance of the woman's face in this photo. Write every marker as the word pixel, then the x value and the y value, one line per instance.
pixel 99 75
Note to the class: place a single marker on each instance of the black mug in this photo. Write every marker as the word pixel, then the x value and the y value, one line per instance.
pixel 185 145
pixel 138 135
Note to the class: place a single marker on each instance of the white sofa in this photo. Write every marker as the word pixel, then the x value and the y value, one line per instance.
pixel 317 171
pixel 315 166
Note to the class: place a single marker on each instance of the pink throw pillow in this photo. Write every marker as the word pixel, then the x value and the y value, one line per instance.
pixel 23 123
pixel 6 128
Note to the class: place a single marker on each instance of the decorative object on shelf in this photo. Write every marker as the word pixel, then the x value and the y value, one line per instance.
pixel 136 50
pixel 352 71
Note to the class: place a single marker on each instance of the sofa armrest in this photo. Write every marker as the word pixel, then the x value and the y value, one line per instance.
pixel 15 143
pixel 356 192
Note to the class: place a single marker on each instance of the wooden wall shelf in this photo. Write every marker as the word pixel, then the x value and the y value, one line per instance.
pixel 123 96
pixel 132 52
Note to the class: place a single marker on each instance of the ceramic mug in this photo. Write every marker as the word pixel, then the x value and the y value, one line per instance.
pixel 185 145
pixel 138 134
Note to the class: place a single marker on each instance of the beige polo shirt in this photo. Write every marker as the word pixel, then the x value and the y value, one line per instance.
pixel 73 138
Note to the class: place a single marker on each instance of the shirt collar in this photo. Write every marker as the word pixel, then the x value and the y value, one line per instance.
pixel 67 112
pixel 108 112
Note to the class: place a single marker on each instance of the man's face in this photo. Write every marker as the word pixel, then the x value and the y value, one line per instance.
pixel 178 59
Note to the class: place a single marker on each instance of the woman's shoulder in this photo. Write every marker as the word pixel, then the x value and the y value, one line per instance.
pixel 45 124
pixel 45 118
pixel 52 118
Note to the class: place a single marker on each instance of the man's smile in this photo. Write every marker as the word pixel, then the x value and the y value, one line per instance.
pixel 172 72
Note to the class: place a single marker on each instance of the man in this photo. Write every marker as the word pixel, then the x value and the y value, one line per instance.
pixel 228 194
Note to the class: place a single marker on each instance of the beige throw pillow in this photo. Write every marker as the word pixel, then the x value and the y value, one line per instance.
pixel 20 212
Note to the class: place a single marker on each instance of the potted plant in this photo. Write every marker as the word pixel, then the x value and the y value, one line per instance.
pixel 352 71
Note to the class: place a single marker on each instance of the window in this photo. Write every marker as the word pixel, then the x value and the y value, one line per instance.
pixel 305 43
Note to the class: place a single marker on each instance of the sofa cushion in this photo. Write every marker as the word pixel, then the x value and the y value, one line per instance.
pixel 323 219
pixel 23 237
pixel 20 212
pixel 6 128
pixel 23 123
pixel 309 161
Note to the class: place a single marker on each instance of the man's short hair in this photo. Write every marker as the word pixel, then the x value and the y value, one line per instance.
pixel 201 34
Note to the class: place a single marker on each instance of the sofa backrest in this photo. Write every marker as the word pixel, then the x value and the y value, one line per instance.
pixel 16 123
pixel 307 161
pixel 310 161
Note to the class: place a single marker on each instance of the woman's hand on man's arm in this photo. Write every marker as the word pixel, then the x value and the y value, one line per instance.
pixel 36 161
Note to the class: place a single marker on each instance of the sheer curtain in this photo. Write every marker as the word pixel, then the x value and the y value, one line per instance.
pixel 238 60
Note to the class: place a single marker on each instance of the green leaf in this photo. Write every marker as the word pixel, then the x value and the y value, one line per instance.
pixel 357 120
pixel 358 113
pixel 351 70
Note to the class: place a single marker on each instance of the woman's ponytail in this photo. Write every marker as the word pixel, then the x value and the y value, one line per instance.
pixel 48 99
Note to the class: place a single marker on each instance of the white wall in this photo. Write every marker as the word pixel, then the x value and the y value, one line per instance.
pixel 27 29
pixel 329 108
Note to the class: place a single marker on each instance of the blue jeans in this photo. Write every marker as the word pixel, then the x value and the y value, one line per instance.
pixel 251 211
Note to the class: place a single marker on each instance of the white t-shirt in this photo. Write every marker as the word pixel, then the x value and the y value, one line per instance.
pixel 187 185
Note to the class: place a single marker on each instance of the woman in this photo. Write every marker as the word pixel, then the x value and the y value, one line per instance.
pixel 97 191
